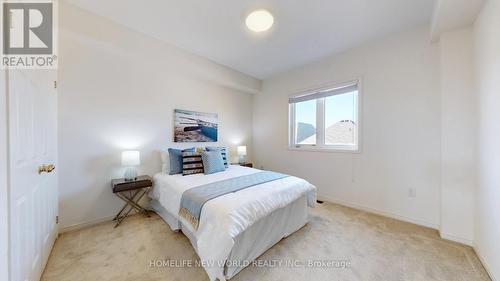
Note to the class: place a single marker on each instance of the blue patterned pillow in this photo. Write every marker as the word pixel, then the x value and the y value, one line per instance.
pixel 224 151
pixel 175 156
pixel 191 163
pixel 212 162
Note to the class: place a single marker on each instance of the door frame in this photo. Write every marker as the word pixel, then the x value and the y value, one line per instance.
pixel 4 179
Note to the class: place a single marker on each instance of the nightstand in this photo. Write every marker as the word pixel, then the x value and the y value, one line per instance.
pixel 131 193
pixel 250 165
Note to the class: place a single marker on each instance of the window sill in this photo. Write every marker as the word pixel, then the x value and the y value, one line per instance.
pixel 340 149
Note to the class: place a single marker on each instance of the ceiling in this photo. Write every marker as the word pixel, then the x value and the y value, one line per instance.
pixel 304 30
pixel 453 14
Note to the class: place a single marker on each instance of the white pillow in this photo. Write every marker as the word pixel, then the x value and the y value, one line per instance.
pixel 165 161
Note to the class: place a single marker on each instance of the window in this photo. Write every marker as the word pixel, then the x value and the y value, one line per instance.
pixel 326 119
pixel 305 113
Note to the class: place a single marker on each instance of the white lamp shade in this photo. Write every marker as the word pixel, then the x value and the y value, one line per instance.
pixel 131 158
pixel 242 150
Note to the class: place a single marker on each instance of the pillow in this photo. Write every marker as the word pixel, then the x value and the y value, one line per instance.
pixel 165 161
pixel 224 151
pixel 212 162
pixel 175 156
pixel 191 163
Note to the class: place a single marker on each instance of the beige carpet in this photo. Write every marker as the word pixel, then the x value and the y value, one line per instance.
pixel 376 248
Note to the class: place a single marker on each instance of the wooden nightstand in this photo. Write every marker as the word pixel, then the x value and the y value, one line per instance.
pixel 131 192
pixel 250 165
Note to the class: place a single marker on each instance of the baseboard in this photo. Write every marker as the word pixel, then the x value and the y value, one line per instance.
pixel 485 265
pixel 379 212
pixel 457 239
pixel 79 226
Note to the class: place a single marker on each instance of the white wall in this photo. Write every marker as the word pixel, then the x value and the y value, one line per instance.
pixel 458 136
pixel 4 189
pixel 117 91
pixel 401 114
pixel 487 52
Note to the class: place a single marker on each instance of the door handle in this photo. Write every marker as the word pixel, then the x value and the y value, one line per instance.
pixel 46 168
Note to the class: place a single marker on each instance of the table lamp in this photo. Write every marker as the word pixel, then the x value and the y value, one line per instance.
pixel 242 153
pixel 131 159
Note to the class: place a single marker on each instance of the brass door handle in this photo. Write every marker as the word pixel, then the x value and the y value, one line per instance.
pixel 46 168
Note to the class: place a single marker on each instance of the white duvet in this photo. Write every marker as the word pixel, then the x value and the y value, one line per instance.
pixel 223 218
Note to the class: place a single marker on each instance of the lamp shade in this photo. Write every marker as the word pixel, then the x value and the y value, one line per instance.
pixel 242 150
pixel 131 158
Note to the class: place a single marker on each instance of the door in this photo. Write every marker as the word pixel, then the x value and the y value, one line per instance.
pixel 32 121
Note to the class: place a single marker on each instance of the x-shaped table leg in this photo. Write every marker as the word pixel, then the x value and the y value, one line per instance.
pixel 131 203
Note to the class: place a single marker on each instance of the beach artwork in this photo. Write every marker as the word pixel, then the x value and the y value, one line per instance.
pixel 192 126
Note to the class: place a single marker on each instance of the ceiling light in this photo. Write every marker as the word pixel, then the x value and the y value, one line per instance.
pixel 259 20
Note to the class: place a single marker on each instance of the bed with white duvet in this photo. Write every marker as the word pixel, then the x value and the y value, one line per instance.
pixel 238 227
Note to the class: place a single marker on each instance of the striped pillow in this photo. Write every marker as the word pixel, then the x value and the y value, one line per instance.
pixel 223 150
pixel 191 163
pixel 175 156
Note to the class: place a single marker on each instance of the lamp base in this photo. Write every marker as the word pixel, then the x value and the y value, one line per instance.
pixel 130 174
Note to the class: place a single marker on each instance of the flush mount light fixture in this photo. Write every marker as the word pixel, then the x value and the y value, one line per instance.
pixel 259 20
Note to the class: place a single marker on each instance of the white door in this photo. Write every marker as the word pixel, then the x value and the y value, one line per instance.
pixel 33 195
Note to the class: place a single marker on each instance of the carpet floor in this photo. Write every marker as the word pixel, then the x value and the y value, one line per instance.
pixel 338 244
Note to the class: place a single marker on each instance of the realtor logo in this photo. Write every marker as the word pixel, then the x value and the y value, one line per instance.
pixel 28 35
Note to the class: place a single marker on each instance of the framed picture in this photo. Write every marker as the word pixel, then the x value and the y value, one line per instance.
pixel 192 126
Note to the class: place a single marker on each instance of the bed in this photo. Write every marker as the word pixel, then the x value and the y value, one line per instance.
pixel 236 228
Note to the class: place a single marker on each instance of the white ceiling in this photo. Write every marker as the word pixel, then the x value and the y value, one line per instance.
pixel 453 14
pixel 304 30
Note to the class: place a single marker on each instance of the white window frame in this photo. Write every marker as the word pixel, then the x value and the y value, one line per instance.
pixel 320 122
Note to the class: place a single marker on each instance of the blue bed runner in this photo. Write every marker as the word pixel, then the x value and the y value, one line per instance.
pixel 193 199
